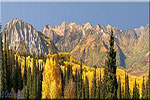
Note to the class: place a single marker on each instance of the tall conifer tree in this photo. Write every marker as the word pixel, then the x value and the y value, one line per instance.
pixel 86 88
pixel 78 87
pixel 25 72
pixel 75 80
pixel 34 77
pixel 119 89
pixel 80 76
pixel 64 80
pixel 93 88
pixel 135 92
pixel 20 81
pixel 29 84
pixel 101 86
pixel 110 81
pixel 5 64
pixel 127 91
pixel 12 59
pixel 79 82
pixel 40 84
pixel 98 89
pixel 2 64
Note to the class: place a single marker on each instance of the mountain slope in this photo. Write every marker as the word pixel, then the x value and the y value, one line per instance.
pixel 90 43
pixel 23 37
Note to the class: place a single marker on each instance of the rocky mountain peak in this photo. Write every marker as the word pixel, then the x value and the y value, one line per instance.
pixel 98 27
pixel 72 23
pixel 49 26
pixel 22 36
pixel 15 20
pixel 87 25
pixel 142 28
pixel 63 25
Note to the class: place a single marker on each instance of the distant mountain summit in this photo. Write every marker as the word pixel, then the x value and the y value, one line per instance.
pixel 23 37
pixel 87 42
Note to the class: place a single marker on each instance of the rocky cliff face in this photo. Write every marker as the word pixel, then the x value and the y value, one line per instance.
pixel 91 43
pixel 65 37
pixel 22 36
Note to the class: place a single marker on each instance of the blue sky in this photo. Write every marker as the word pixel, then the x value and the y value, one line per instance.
pixel 122 15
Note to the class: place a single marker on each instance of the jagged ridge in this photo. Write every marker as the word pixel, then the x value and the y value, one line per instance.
pixel 91 43
pixel 23 37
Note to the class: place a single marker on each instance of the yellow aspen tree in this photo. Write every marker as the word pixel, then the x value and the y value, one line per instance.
pixel 51 85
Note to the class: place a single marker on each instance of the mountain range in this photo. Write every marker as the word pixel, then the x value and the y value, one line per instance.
pixel 86 42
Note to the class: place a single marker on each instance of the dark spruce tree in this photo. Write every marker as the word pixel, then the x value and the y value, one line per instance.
pixel 78 86
pixel 101 86
pixel 25 72
pixel 79 82
pixel 9 68
pixel 98 89
pixel 81 79
pixel 40 84
pixel 5 64
pixel 25 93
pixel 110 82
pixel 7 73
pixel 20 81
pixel 67 75
pixel 69 71
pixel 29 84
pixel 119 89
pixel 127 91
pixel 15 77
pixel 135 92
pixel 75 80
pixel 83 91
pixel 93 88
pixel 38 77
pixel 2 64
pixel 86 88
pixel 12 59
pixel 64 79
pixel 34 77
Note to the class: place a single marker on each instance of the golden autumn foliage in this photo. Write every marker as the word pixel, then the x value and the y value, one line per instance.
pixel 89 72
pixel 29 62
pixel 51 85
